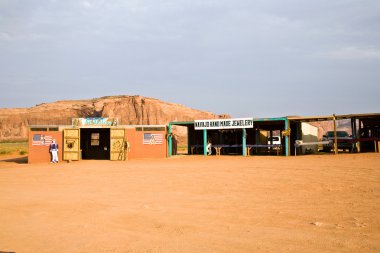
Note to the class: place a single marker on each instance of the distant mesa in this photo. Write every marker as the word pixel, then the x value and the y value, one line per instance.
pixel 130 110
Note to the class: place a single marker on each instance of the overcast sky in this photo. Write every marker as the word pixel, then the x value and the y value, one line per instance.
pixel 260 58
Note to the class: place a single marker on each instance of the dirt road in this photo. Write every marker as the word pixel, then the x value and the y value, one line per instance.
pixel 193 204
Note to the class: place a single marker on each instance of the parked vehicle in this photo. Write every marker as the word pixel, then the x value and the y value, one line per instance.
pixel 344 141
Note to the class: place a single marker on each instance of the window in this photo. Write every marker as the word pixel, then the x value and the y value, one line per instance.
pixel 151 129
pixel 38 129
pixel 95 139
pixel 342 134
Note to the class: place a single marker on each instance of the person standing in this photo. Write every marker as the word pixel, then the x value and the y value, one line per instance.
pixel 54 152
pixel 209 145
pixel 174 144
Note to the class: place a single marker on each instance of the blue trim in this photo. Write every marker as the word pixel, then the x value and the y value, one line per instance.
pixel 205 142
pixel 287 138
pixel 181 123
pixel 270 119
pixel 170 143
pixel 244 138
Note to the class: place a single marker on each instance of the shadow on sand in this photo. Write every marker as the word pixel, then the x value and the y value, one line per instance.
pixel 20 160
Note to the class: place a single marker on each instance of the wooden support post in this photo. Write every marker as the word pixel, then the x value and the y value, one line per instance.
pixel 335 136
pixel 359 135
pixel 189 151
pixel 354 135
pixel 257 140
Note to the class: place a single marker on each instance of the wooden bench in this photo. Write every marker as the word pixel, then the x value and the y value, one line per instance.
pixel 218 148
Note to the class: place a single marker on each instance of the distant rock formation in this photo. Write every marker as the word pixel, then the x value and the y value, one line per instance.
pixel 130 110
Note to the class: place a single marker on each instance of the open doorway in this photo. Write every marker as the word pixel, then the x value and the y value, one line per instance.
pixel 180 140
pixel 95 143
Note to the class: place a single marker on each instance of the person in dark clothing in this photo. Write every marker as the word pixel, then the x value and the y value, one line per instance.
pixel 174 144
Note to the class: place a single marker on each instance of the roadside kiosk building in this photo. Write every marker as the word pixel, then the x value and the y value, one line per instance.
pixel 237 136
pixel 251 139
pixel 97 139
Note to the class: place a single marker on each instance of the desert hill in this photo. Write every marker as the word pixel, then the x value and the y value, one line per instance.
pixel 324 126
pixel 130 110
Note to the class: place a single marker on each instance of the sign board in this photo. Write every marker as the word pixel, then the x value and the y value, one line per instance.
pixel 77 122
pixel 223 123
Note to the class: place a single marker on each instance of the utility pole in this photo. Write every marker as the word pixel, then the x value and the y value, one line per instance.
pixel 335 136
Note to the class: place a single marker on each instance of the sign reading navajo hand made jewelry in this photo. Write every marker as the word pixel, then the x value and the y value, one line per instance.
pixel 223 123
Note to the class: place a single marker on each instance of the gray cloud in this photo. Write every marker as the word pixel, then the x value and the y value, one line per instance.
pixel 260 58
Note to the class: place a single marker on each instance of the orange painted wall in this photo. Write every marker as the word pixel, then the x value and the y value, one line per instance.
pixel 41 154
pixel 140 150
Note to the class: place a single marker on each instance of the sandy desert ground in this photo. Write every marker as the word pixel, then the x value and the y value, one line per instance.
pixel 322 203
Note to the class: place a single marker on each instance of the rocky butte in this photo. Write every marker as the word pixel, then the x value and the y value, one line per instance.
pixel 130 110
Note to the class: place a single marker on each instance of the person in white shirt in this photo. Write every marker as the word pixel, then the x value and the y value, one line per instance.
pixel 54 152
pixel 209 152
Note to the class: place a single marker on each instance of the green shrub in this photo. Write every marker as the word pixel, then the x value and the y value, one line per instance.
pixel 7 148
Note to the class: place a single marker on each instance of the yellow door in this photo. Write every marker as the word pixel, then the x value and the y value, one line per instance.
pixel 71 144
pixel 117 144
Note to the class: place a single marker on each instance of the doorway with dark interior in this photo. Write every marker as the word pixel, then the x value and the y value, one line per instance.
pixel 95 143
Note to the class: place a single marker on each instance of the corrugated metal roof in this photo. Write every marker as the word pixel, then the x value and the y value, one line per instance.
pixel 338 117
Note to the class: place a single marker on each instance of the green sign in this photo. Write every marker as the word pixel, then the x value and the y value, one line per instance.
pixel 77 122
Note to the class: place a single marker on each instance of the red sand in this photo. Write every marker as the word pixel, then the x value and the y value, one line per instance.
pixel 193 204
